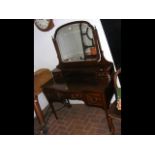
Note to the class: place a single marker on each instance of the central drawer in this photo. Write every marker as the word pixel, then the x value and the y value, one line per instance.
pixel 95 99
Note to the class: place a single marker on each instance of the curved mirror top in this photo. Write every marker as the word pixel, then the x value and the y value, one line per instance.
pixel 76 42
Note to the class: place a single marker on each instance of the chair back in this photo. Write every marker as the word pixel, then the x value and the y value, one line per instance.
pixel 41 77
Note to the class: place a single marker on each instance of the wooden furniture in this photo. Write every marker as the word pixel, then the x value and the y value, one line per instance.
pixel 95 95
pixel 82 73
pixel 113 113
pixel 41 77
pixel 38 111
pixel 115 109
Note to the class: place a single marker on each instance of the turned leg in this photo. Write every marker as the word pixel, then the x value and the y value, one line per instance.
pixel 111 125
pixel 110 122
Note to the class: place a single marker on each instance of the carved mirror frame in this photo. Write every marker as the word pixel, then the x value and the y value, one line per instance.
pixel 97 45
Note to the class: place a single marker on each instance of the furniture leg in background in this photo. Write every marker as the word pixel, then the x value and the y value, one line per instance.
pixel 68 103
pixel 53 109
pixel 114 111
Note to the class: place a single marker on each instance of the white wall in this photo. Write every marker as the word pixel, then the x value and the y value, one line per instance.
pixel 45 54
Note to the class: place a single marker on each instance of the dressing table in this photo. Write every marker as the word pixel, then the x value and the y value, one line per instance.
pixel 82 73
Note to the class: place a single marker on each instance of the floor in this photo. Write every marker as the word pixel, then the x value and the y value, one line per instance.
pixel 80 119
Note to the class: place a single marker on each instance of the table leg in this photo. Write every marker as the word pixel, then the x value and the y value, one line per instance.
pixel 53 109
pixel 110 122
pixel 111 125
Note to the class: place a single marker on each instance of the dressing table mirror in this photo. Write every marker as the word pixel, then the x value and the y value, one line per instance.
pixel 82 73
pixel 76 43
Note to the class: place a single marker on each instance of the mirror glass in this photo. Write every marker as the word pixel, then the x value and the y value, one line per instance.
pixel 76 43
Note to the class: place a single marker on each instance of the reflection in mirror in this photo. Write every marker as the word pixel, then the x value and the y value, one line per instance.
pixel 76 43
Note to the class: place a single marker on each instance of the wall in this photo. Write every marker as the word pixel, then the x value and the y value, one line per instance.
pixel 45 54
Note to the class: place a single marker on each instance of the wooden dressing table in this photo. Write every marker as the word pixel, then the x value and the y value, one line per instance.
pixel 82 73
